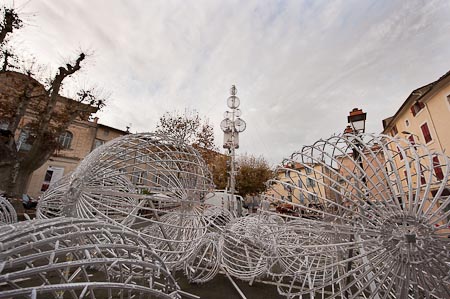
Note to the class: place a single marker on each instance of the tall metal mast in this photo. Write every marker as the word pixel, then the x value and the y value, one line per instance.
pixel 232 125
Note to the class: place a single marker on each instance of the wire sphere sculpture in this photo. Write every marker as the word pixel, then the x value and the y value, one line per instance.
pixel 205 261
pixel 79 258
pixel 147 182
pixel 244 254
pixel 367 216
pixel 7 212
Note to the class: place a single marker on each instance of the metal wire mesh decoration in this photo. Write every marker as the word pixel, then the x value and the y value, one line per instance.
pixel 146 182
pixel 7 212
pixel 79 258
pixel 365 217
pixel 362 216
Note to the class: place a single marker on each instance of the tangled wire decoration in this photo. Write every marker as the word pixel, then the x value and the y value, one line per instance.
pixel 79 258
pixel 146 182
pixel 362 216
pixel 7 212
pixel 375 212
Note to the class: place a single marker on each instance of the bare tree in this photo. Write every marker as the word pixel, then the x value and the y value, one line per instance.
pixel 188 127
pixel 11 21
pixel 35 115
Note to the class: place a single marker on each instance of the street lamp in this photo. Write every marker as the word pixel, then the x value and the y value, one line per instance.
pixel 357 119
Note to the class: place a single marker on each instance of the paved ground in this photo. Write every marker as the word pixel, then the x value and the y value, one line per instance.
pixel 221 288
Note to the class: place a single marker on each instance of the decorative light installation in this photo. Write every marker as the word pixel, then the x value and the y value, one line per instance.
pixel 80 258
pixel 244 250
pixel 376 227
pixel 363 216
pixel 7 212
pixel 149 183
pixel 204 262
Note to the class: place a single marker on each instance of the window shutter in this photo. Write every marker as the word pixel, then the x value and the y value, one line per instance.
pixel 437 168
pixel 413 111
pixel 426 132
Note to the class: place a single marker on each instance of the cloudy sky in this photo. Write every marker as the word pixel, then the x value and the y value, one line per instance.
pixel 299 66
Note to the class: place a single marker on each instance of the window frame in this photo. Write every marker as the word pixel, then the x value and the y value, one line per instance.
pixel 437 169
pixel 425 123
pixel 417 107
pixel 394 131
pixel 62 140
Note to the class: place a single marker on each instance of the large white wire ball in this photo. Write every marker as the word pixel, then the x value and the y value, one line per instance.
pixel 79 258
pixel 147 182
pixel 387 202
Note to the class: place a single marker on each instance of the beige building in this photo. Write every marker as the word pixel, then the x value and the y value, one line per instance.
pixel 312 185
pixel 76 143
pixel 424 117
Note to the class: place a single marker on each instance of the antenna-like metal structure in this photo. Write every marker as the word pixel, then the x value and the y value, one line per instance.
pixel 232 125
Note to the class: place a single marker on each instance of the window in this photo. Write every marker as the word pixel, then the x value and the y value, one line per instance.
pixel 423 181
pixel 139 177
pixel 98 142
pixel 394 131
pixel 411 139
pixel 308 170
pixel 52 175
pixel 426 132
pixel 417 107
pixel 65 139
pixel 407 123
pixel 310 182
pixel 23 143
pixel 437 168
pixel 399 153
pixel 312 198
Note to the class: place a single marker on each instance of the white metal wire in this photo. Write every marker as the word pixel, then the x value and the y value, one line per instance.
pixel 79 258
pixel 358 216
pixel 374 220
pixel 7 212
pixel 147 182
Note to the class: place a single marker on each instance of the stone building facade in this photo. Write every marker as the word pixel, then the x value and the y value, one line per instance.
pixel 79 140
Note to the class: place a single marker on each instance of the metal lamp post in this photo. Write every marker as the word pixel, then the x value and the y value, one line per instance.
pixel 357 120
pixel 232 125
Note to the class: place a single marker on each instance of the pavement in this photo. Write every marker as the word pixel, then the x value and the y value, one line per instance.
pixel 221 288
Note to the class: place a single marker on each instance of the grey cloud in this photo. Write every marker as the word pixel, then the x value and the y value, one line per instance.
pixel 299 66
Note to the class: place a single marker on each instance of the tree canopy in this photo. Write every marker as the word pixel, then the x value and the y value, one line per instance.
pixel 188 127
pixel 252 175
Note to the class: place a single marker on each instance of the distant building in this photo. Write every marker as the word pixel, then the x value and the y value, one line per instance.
pixel 76 143
pixel 313 184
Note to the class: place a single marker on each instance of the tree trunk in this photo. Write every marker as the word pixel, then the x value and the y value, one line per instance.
pixel 14 179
